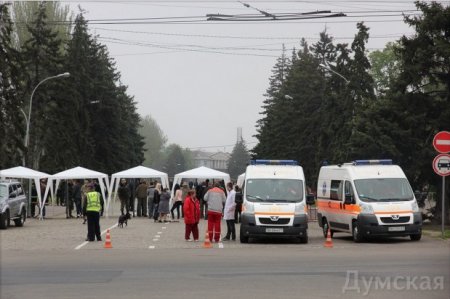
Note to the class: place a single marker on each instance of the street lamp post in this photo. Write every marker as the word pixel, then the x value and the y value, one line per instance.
pixel 333 71
pixel 28 120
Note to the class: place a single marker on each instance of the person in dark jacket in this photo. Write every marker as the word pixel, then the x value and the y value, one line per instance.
pixel 77 197
pixel 124 196
pixel 132 186
pixel 238 200
pixel 141 194
pixel 68 198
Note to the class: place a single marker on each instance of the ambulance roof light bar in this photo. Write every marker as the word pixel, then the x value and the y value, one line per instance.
pixel 273 162
pixel 373 162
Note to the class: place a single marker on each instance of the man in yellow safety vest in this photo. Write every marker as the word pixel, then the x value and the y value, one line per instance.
pixel 93 207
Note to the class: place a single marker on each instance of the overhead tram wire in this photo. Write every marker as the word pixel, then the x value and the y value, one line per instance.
pixel 197 50
pixel 232 36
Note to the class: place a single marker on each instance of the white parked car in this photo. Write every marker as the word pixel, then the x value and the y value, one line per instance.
pixel 13 204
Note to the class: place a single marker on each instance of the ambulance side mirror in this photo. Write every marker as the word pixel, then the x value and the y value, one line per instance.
pixel 310 200
pixel 348 199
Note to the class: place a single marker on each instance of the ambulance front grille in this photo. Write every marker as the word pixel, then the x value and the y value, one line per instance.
pixel 278 221
pixel 403 219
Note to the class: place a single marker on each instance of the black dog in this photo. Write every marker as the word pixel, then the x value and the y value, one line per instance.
pixel 124 219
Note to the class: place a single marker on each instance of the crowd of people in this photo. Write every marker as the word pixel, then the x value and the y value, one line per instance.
pixel 190 201
pixel 141 198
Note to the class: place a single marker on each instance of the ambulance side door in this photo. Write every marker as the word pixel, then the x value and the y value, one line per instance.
pixel 346 209
pixel 335 204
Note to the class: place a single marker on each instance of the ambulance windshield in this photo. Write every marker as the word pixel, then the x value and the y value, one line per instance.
pixel 274 190
pixel 386 189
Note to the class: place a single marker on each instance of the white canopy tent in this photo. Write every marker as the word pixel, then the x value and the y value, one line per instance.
pixel 21 172
pixel 80 173
pixel 200 173
pixel 140 172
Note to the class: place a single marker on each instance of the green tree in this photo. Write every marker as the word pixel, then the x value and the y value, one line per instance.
pixel 175 161
pixel 421 94
pixel 239 159
pixel 58 15
pixel 42 58
pixel 100 118
pixel 11 118
pixel 155 141
pixel 274 96
pixel 385 67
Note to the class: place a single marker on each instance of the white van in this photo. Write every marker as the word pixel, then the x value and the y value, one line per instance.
pixel 274 201
pixel 367 198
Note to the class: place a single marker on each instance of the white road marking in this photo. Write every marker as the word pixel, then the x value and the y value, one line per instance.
pixel 102 233
pixel 164 227
pixel 81 245
pixel 151 247
pixel 155 240
pixel 157 236
pixel 159 233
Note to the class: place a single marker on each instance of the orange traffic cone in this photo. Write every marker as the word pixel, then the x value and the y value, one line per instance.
pixel 328 242
pixel 108 240
pixel 207 243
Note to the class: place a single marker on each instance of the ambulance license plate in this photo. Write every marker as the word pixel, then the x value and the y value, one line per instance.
pixel 274 230
pixel 396 228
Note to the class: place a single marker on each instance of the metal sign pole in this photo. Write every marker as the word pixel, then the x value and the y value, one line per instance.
pixel 443 205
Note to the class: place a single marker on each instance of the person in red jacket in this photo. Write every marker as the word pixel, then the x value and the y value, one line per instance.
pixel 191 209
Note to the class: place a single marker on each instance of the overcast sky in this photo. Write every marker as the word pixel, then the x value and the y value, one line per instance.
pixel 201 80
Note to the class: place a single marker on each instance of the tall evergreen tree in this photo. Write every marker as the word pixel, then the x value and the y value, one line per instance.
pixel 12 122
pixel 43 59
pixel 100 114
pixel 239 159
pixel 274 96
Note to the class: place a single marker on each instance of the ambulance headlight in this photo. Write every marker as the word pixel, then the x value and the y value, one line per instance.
pixel 366 209
pixel 415 207
pixel 249 208
pixel 300 209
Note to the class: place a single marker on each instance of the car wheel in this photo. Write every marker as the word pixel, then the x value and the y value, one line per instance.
pixel 20 221
pixel 4 220
pixel 416 237
pixel 357 237
pixel 325 228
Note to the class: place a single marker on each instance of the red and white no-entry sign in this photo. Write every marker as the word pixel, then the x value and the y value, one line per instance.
pixel 441 142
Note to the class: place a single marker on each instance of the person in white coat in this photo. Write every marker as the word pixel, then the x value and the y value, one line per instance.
pixel 228 215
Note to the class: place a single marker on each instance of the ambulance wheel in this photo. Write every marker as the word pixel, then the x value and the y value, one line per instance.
pixel 357 237
pixel 325 228
pixel 415 237
pixel 304 239
pixel 243 239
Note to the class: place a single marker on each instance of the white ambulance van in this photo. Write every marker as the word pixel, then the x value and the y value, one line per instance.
pixel 367 198
pixel 274 201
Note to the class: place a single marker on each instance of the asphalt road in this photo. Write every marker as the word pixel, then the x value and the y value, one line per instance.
pixel 152 260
